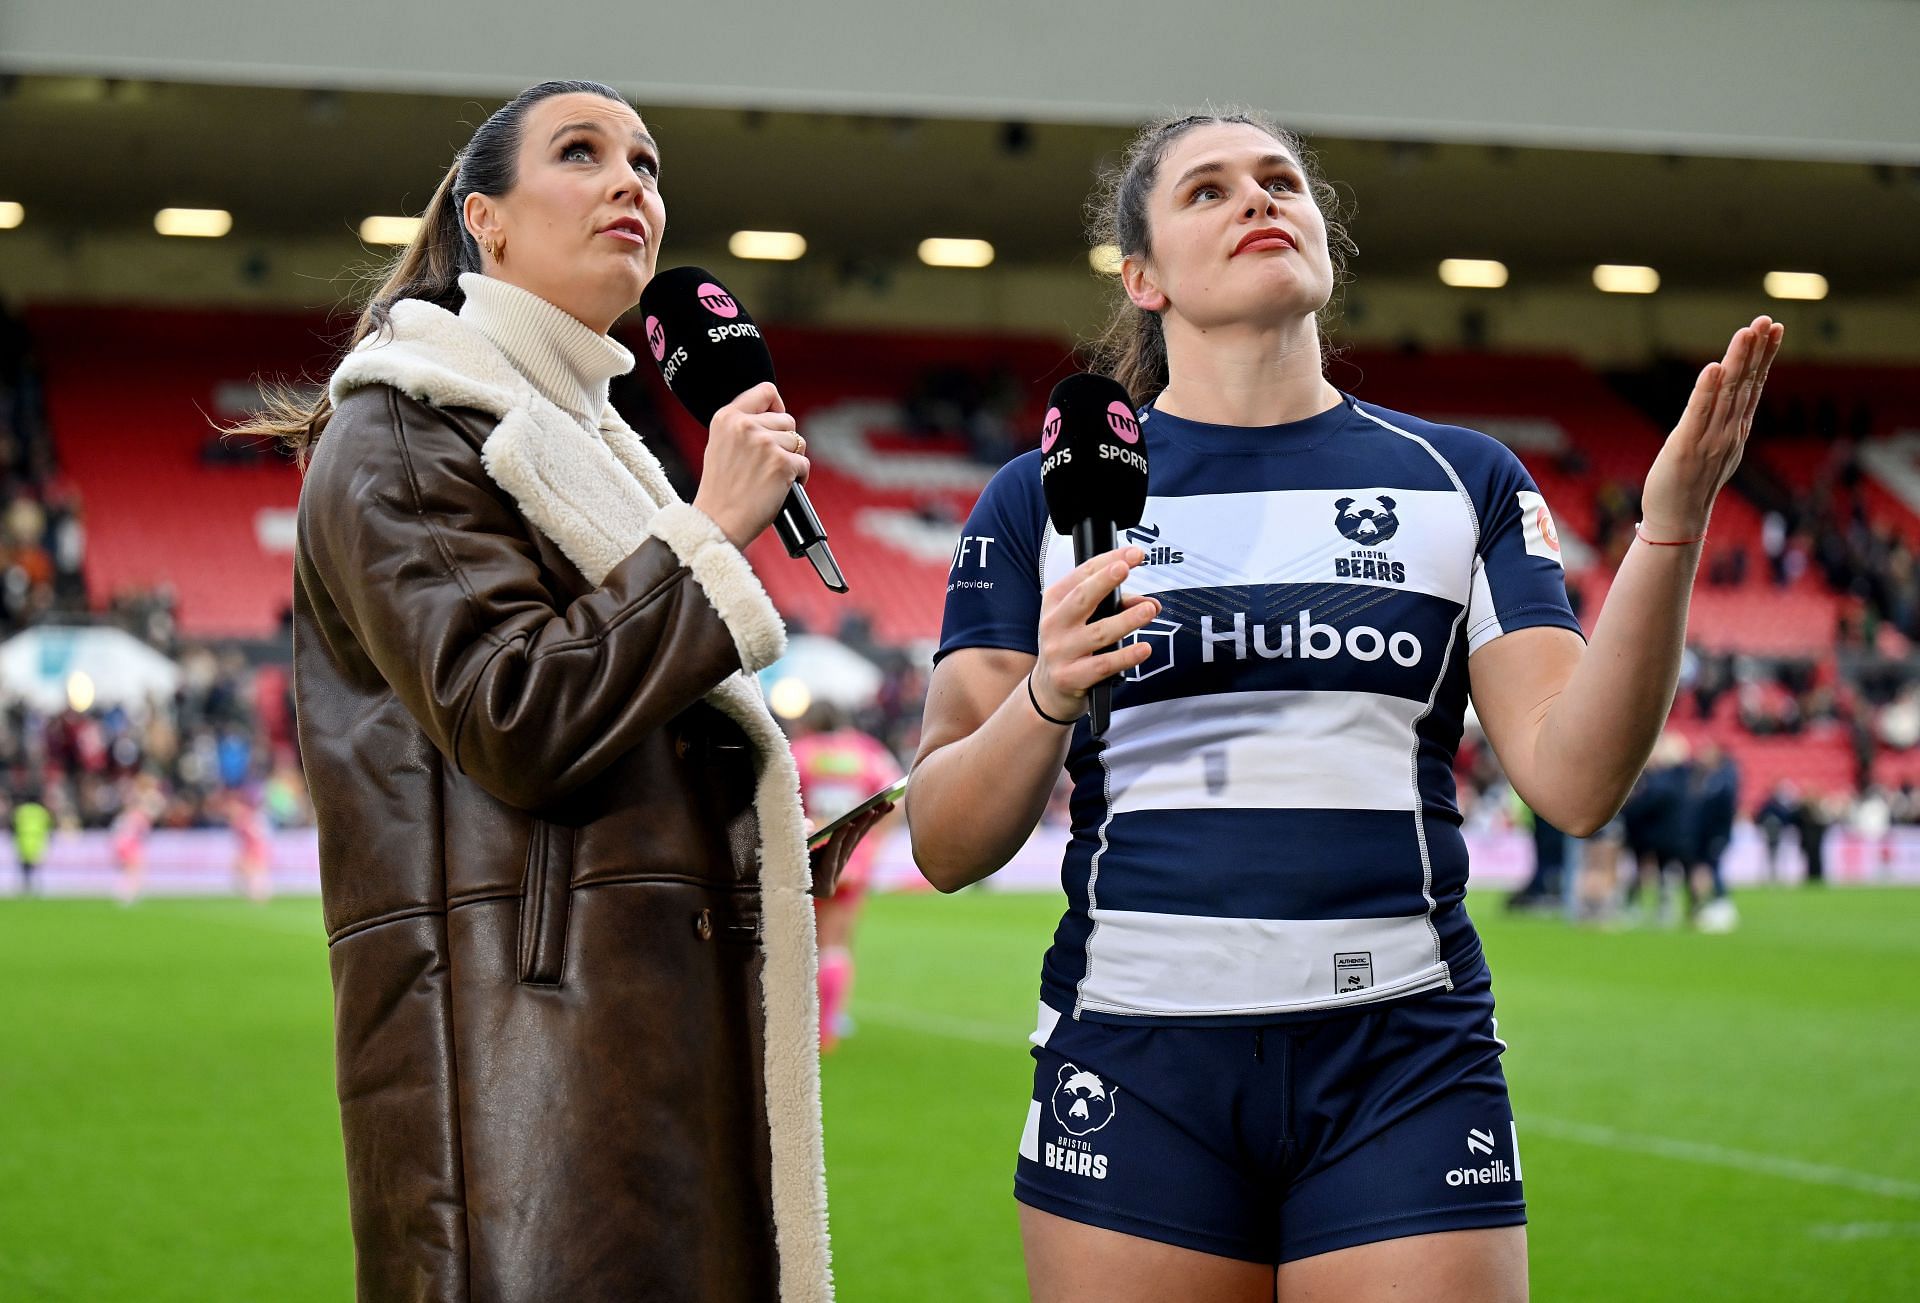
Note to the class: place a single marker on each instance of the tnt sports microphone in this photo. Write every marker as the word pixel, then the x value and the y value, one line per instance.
pixel 710 352
pixel 1093 469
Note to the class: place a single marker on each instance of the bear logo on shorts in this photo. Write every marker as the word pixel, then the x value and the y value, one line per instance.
pixel 1368 521
pixel 1081 1102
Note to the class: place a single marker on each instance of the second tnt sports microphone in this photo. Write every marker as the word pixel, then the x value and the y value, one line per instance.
pixel 1093 470
pixel 710 352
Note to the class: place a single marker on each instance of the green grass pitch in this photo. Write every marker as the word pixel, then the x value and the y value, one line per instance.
pixel 1701 1117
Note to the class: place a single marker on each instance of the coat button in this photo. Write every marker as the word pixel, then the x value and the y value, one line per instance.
pixel 703 925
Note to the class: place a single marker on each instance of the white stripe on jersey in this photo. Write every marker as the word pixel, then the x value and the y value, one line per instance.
pixel 1483 622
pixel 1281 750
pixel 1293 537
pixel 1192 966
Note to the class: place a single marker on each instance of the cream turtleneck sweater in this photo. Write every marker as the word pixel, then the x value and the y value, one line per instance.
pixel 569 363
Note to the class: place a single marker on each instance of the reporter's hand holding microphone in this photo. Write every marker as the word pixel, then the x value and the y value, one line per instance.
pixel 715 361
pixel 755 455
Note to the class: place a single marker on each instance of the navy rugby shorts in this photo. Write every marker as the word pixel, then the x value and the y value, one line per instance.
pixel 1277 1141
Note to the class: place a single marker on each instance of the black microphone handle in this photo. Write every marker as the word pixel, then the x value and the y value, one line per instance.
pixel 797 524
pixel 1090 539
pixel 804 536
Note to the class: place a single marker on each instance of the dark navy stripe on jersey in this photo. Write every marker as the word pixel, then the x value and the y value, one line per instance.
pixel 1265 863
pixel 1350 451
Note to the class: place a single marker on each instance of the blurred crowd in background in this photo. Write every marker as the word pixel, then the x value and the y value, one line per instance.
pixel 191 758
pixel 226 735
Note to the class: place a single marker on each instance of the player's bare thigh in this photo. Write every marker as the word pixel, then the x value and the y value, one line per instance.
pixel 1477 1266
pixel 1068 1262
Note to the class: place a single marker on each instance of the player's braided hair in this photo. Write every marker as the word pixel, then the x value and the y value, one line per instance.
pixel 430 266
pixel 1133 348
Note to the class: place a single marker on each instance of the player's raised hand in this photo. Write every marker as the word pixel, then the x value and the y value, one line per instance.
pixel 1703 449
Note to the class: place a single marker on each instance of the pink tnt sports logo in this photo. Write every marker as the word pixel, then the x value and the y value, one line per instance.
pixel 717 301
pixel 1050 430
pixel 656 338
pixel 1122 422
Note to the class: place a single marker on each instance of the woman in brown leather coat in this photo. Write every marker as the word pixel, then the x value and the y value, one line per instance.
pixel 562 856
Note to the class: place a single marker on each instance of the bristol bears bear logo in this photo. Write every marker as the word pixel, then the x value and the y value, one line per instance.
pixel 1081 1102
pixel 1367 521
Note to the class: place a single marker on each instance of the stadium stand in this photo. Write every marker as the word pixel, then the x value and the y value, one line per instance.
pixel 1811 565
pixel 904 430
pixel 132 397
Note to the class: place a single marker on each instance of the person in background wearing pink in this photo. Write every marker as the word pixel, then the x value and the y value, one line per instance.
pixel 253 860
pixel 131 828
pixel 839 767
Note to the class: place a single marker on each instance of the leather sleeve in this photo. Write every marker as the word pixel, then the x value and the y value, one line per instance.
pixel 434 573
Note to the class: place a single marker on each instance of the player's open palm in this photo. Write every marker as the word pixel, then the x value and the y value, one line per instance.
pixel 1704 448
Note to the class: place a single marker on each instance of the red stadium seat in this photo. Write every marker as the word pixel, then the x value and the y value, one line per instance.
pixel 131 441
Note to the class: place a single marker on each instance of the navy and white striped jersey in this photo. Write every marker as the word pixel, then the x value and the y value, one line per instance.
pixel 1269 825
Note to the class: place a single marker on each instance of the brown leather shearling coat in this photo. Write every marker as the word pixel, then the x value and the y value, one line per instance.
pixel 540 887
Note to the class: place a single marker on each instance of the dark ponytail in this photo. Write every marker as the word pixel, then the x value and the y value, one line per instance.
pixel 429 268
pixel 1133 346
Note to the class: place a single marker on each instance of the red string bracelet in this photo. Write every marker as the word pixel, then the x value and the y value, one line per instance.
pixel 1641 534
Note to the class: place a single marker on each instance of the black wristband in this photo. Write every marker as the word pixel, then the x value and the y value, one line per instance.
pixel 1063 723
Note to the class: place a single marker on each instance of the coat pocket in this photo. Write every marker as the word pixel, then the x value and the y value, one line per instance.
pixel 545 893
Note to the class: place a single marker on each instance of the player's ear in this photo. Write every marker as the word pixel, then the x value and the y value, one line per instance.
pixel 1139 285
pixel 1343 504
pixel 1386 502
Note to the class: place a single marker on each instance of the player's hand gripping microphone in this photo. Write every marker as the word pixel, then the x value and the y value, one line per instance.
pixel 1093 470
pixel 710 352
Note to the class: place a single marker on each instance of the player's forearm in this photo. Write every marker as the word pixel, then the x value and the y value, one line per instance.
pixel 1596 736
pixel 973 803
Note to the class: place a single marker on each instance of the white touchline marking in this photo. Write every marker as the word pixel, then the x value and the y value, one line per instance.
pixel 1849 1231
pixel 1740 1160
pixel 936 1024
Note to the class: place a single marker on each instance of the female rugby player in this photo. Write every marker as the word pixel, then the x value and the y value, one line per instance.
pixel 1266 1053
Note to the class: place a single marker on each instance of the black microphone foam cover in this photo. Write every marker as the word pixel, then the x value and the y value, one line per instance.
pixel 1093 462
pixel 707 347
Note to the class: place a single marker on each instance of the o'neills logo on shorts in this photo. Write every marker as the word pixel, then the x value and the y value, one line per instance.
pixel 1120 420
pixel 717 301
pixel 1496 1171
pixel 656 338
